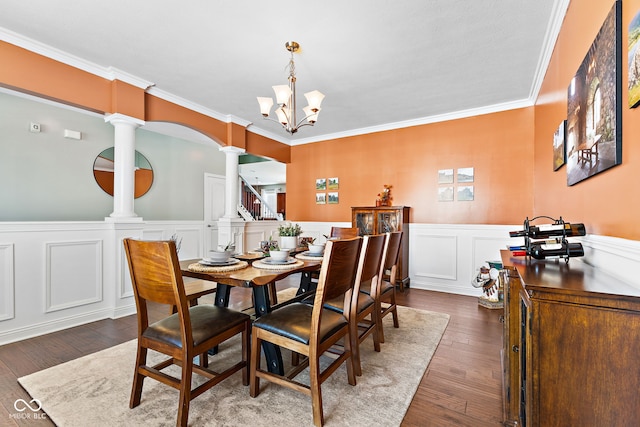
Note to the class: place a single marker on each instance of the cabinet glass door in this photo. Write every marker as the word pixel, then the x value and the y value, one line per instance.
pixel 364 222
pixel 388 221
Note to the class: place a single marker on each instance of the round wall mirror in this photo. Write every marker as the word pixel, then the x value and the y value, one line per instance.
pixel 103 172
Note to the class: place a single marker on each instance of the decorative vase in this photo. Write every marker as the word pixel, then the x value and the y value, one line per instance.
pixel 288 242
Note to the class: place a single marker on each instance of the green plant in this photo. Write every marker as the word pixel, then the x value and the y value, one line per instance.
pixel 289 229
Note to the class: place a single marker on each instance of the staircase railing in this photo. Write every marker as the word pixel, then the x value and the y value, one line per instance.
pixel 254 204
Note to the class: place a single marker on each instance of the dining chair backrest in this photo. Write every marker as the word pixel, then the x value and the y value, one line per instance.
pixel 392 255
pixel 370 259
pixel 343 232
pixel 155 276
pixel 338 270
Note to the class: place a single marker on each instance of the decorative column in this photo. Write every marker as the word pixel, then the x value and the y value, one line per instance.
pixel 231 226
pixel 124 167
pixel 231 185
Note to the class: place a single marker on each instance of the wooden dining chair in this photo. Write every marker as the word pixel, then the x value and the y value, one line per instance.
pixel 384 293
pixel 364 321
pixel 311 330
pixel 155 275
pixel 343 233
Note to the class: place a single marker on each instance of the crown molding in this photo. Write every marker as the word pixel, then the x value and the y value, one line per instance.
pixel 558 13
pixel 496 108
pixel 53 53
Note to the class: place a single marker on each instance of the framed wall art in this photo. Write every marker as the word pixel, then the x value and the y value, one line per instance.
pixel 594 107
pixel 445 194
pixel 445 176
pixel 465 174
pixel 333 184
pixel 332 198
pixel 633 36
pixel 559 151
pixel 465 193
pixel 321 184
pixel 321 198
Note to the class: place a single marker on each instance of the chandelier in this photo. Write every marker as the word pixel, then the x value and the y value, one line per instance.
pixel 286 100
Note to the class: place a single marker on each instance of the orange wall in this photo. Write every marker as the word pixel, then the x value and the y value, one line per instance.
pixel 608 202
pixel 498 146
pixel 38 75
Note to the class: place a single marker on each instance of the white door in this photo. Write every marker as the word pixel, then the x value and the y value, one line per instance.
pixel 214 189
pixel 270 197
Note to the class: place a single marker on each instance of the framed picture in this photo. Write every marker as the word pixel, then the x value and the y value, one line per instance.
pixel 321 184
pixel 445 194
pixel 321 198
pixel 332 198
pixel 465 174
pixel 445 176
pixel 594 106
pixel 333 184
pixel 634 61
pixel 465 193
pixel 559 152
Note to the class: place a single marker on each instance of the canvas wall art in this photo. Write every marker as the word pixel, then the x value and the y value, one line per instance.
pixel 633 38
pixel 559 152
pixel 594 110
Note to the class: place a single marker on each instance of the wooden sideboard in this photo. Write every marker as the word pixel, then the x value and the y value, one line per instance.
pixel 383 219
pixel 571 345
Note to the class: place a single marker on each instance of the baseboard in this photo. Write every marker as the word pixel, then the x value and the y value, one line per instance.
pixel 31 331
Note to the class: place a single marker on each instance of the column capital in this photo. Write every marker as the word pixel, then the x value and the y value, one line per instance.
pixel 232 149
pixel 118 118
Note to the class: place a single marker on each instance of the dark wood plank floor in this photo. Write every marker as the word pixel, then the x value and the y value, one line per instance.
pixel 462 385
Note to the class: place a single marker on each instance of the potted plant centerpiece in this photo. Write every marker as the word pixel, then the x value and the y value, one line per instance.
pixel 289 233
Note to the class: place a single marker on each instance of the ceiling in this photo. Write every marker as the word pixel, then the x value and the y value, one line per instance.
pixel 381 64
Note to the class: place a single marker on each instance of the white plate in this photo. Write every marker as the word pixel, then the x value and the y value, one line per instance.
pixel 307 253
pixel 270 261
pixel 210 262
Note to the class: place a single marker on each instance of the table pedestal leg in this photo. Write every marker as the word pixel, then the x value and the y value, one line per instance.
pixel 306 284
pixel 222 300
pixel 271 352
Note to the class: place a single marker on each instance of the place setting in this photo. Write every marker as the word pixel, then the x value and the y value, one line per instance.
pixel 278 260
pixel 314 252
pixel 218 261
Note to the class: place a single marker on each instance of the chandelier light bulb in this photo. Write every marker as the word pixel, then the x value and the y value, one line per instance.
pixel 265 105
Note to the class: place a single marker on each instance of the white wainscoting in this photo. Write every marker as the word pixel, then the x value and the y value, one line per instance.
pixel 72 262
pixel 55 275
pixel 7 282
pixel 446 258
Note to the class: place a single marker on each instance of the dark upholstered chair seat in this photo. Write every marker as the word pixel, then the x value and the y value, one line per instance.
pixel 294 322
pixel 337 304
pixel 364 301
pixel 207 321
pixel 385 287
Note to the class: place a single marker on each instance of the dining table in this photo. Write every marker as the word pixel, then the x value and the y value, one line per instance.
pixel 251 271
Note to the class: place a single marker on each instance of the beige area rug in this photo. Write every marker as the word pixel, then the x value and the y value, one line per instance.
pixel 94 390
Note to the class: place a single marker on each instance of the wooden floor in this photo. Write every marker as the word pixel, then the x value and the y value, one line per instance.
pixel 462 385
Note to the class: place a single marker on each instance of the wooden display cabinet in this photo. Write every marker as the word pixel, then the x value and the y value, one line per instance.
pixel 383 219
pixel 570 356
